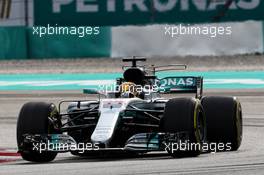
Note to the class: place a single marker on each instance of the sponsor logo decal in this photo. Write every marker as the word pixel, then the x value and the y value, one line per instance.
pixel 93 6
pixel 178 82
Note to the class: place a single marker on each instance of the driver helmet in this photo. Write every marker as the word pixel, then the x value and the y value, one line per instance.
pixel 128 90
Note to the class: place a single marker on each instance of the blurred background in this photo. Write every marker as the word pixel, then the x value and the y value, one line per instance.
pixel 129 27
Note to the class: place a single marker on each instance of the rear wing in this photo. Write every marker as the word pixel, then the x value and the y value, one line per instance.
pixel 186 84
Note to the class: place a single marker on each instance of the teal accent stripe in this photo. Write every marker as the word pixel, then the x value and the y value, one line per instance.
pixel 212 80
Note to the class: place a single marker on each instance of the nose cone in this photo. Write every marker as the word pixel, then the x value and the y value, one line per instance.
pixel 101 135
pixel 105 127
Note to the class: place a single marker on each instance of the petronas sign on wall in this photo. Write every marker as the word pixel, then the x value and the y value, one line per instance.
pixel 126 12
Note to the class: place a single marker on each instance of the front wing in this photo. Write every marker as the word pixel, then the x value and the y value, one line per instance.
pixel 142 142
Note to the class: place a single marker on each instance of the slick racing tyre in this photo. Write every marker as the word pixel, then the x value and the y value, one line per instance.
pixel 34 119
pixel 185 115
pixel 224 121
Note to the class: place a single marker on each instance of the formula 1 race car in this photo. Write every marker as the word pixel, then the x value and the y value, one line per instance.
pixel 133 118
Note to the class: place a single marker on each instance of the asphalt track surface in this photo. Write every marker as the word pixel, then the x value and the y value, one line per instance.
pixel 248 160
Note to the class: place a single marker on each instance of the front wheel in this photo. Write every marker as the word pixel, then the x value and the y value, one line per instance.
pixel 34 119
pixel 185 115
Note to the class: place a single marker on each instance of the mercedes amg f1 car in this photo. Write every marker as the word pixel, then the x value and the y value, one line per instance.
pixel 133 118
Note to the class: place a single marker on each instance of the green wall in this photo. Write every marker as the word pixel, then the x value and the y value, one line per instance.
pixel 20 43
pixel 13 43
pixel 120 12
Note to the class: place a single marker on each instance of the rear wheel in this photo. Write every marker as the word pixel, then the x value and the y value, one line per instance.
pixel 185 115
pixel 224 121
pixel 34 119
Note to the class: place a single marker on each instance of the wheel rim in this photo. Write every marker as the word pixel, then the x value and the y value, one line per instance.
pixel 200 126
pixel 239 124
